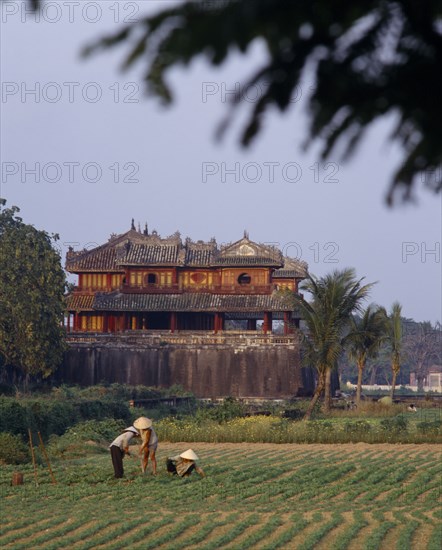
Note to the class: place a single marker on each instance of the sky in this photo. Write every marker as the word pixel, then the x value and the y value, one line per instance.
pixel 83 151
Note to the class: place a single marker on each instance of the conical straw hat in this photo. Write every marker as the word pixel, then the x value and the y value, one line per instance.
pixel 143 423
pixel 131 429
pixel 189 454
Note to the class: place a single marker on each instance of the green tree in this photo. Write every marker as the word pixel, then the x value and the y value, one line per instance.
pixel 395 341
pixel 32 284
pixel 366 60
pixel 335 297
pixel 364 339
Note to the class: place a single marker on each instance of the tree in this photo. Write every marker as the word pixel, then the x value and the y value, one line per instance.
pixel 364 339
pixel 32 284
pixel 335 297
pixel 395 341
pixel 366 60
pixel 422 347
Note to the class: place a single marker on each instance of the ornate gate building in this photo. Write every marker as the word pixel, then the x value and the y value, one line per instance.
pixel 159 311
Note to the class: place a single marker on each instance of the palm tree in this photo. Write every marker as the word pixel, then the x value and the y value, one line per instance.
pixel 365 336
pixel 335 297
pixel 395 340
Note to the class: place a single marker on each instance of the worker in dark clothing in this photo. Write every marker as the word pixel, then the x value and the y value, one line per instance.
pixel 119 448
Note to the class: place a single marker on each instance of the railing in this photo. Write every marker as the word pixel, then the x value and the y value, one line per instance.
pixel 90 288
pixel 152 289
pixel 179 289
pixel 182 337
pixel 212 289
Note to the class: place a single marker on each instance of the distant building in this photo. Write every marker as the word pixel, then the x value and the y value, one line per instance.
pixel 140 281
pixel 156 311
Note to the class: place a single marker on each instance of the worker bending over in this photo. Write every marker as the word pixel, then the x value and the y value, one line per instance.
pixel 184 464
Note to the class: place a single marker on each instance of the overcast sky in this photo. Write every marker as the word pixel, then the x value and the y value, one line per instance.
pixel 105 154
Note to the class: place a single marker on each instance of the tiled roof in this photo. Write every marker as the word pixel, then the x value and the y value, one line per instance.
pixel 137 249
pixel 189 302
pixel 101 259
pixel 80 302
pixel 142 254
pixel 291 269
pixel 200 255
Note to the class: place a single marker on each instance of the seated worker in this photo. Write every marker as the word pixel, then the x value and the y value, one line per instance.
pixel 149 443
pixel 120 447
pixel 184 464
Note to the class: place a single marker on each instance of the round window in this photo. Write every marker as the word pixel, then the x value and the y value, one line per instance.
pixel 244 279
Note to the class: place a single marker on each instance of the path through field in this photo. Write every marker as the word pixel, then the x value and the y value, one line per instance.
pixel 255 496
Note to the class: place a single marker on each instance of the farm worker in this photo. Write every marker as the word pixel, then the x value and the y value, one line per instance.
pixel 184 464
pixel 149 442
pixel 120 447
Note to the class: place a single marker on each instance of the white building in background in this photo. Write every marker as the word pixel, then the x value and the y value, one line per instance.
pixel 432 382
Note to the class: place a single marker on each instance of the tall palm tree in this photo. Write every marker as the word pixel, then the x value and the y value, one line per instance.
pixel 334 298
pixel 365 336
pixel 395 340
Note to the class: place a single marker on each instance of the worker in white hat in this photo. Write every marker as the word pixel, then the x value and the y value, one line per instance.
pixel 119 448
pixel 149 443
pixel 184 464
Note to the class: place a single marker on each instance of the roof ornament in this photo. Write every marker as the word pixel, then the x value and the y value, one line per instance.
pixel 145 232
pixel 133 225
pixel 246 234
pixel 139 227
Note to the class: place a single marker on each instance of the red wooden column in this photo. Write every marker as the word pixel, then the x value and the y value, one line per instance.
pixel 105 322
pixel 173 323
pixel 216 323
pixel 267 326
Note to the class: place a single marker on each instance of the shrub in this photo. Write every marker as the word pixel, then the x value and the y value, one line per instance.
pixel 432 428
pixel 293 414
pixel 98 409
pixel 79 439
pixel 101 431
pixel 358 427
pixel 12 449
pixel 395 425
pixel 12 417
pixel 229 409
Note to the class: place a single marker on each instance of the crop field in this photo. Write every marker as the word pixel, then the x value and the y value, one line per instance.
pixel 263 496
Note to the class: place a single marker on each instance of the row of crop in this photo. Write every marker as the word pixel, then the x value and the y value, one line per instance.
pixel 232 485
pixel 254 479
pixel 238 530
